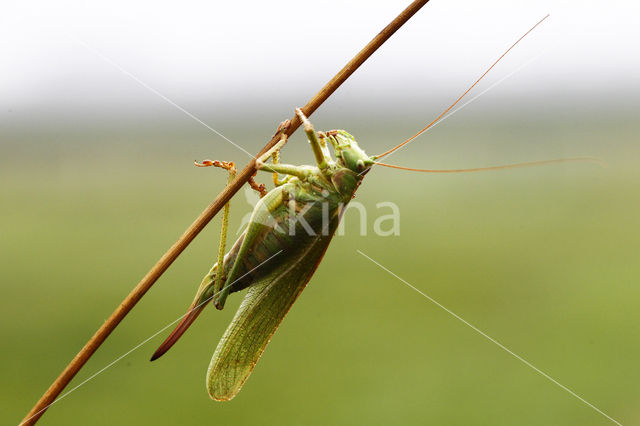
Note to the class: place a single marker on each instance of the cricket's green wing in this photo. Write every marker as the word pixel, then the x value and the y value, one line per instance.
pixel 261 312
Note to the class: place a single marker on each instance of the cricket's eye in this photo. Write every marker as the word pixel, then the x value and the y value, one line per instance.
pixel 360 165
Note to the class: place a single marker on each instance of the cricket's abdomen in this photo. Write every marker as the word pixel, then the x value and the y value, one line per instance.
pixel 284 222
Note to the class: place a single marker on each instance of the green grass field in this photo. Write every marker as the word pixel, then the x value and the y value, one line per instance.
pixel 544 260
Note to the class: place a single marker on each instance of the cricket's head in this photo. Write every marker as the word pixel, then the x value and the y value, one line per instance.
pixel 348 153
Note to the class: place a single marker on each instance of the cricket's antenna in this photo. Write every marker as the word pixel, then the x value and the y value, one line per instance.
pixel 461 96
pixel 502 167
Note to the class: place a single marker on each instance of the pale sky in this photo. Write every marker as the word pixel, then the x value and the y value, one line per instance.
pixel 217 53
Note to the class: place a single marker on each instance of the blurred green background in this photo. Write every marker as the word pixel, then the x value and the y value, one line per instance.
pixel 544 260
pixel 97 181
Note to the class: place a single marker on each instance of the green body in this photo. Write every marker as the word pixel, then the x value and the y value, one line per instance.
pixel 285 240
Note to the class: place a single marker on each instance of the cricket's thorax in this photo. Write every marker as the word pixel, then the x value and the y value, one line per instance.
pixel 291 217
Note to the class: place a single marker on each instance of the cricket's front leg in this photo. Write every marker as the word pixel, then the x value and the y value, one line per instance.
pixel 274 153
pixel 275 157
pixel 318 146
pixel 277 168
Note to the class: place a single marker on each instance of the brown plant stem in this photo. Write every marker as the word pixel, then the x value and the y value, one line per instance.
pixel 205 217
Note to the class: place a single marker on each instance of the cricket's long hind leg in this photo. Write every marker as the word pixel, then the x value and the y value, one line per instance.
pixel 230 166
pixel 218 282
pixel 212 282
pixel 204 295
pixel 211 287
